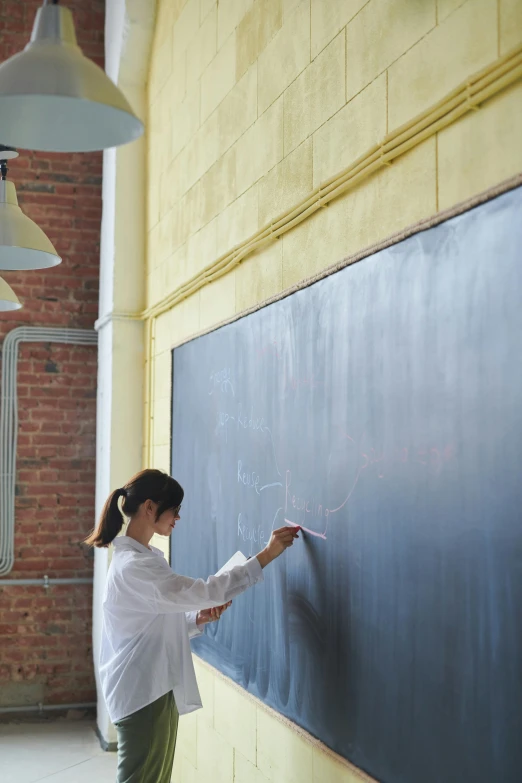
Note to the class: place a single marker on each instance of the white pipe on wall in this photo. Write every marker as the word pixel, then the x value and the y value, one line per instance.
pixel 47 707
pixel 45 582
pixel 9 421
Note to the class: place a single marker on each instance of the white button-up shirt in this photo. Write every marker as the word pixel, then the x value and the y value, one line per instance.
pixel 149 615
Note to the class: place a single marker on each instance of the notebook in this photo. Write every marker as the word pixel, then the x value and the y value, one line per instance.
pixel 237 559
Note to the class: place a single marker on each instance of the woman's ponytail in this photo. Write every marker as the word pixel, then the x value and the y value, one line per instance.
pixel 149 484
pixel 111 521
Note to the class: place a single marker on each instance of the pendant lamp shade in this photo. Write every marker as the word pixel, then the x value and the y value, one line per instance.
pixel 53 98
pixel 8 298
pixel 23 245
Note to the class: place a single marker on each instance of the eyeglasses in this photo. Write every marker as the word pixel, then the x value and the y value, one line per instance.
pixel 177 510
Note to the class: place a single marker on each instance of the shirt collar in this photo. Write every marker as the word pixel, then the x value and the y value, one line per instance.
pixel 126 542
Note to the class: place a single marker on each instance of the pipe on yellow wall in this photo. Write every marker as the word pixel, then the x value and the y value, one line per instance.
pixel 468 96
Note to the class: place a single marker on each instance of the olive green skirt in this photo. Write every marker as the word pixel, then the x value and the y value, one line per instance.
pixel 146 742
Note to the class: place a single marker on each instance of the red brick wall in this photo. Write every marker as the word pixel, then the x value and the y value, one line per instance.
pixel 45 637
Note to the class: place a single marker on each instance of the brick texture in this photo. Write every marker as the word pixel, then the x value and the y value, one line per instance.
pixel 45 636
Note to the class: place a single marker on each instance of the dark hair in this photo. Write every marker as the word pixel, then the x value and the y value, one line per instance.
pixel 149 484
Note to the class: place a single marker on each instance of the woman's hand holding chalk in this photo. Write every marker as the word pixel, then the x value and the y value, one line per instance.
pixel 280 540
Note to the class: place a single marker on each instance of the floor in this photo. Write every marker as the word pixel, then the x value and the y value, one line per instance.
pixel 54 751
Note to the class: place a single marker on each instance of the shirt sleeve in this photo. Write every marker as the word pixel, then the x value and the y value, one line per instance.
pixel 165 592
pixel 192 625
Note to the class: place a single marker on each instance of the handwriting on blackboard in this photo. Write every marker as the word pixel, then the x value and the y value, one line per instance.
pixel 223 418
pixel 242 420
pixel 303 505
pixel 305 510
pixel 222 423
pixel 431 458
pixel 305 381
pixel 310 509
pixel 272 348
pixel 249 478
pixel 250 533
pixel 221 381
pixel 246 419
pixel 249 420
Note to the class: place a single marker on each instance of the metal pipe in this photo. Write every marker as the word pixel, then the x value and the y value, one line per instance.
pixel 46 582
pixel 48 707
pixel 9 420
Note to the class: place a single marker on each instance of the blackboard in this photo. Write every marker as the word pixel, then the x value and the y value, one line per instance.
pixel 380 408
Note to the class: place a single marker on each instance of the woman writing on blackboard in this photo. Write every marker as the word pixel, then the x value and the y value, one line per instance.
pixel 149 614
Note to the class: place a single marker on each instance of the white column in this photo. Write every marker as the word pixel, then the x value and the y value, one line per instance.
pixel 119 431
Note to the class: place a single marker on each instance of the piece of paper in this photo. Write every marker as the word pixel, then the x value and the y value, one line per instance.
pixel 237 559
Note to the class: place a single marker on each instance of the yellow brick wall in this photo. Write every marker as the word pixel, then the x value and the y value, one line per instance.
pixel 252 104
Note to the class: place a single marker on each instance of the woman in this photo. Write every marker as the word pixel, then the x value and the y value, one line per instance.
pixel 149 615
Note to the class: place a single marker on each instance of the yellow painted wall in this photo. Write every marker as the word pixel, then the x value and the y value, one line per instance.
pixel 252 104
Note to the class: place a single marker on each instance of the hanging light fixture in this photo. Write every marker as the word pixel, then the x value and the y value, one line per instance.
pixel 53 98
pixel 8 298
pixel 23 245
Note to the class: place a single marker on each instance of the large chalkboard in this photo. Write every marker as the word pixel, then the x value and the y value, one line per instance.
pixel 381 409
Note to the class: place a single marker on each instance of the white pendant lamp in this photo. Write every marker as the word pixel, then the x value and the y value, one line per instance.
pixel 23 245
pixel 53 98
pixel 8 298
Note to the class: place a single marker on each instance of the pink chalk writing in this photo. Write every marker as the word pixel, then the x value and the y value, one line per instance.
pixel 272 348
pixel 306 530
pixel 303 506
pixel 429 456
pixel 306 381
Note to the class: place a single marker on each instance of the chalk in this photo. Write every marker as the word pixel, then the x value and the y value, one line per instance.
pixel 306 530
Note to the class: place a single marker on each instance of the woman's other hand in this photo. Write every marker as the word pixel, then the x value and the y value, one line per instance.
pixel 211 615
